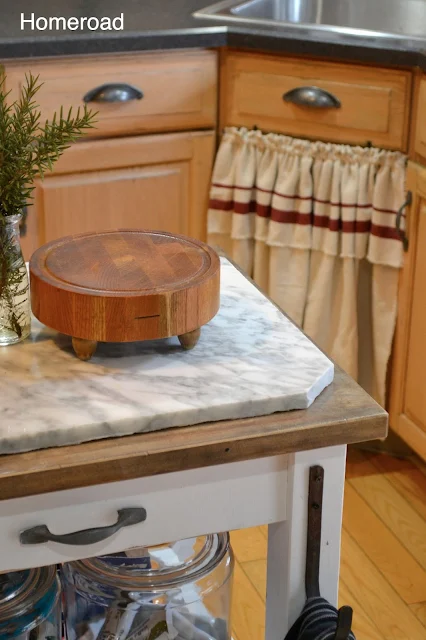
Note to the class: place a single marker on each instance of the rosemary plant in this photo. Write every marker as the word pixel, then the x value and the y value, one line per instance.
pixel 28 148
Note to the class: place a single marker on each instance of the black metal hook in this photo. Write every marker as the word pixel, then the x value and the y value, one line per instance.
pixel 399 216
pixel 344 623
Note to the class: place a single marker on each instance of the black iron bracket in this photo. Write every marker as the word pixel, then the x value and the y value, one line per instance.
pixel 313 550
pixel 399 216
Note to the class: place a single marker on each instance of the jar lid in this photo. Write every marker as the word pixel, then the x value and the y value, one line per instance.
pixel 156 568
pixel 26 599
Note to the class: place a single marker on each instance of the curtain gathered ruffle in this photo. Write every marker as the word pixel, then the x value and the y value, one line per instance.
pixel 314 224
pixel 337 199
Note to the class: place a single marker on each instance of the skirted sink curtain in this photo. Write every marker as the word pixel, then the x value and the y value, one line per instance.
pixel 314 224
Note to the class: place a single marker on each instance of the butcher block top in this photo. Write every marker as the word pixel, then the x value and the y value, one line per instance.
pixel 229 399
pixel 124 285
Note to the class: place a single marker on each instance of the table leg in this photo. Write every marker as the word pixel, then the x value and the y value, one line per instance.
pixel 285 593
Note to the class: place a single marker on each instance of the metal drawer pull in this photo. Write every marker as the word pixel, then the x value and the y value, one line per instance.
pixel 126 517
pixel 312 97
pixel 113 93
pixel 399 217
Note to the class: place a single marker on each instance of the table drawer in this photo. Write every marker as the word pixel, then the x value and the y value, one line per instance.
pixel 178 505
pixel 179 89
pixel 374 103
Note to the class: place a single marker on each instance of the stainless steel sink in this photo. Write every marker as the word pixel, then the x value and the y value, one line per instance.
pixel 380 18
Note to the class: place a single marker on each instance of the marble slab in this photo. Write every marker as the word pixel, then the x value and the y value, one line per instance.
pixel 250 361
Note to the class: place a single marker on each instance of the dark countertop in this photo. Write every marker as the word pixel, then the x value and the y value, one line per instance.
pixel 168 24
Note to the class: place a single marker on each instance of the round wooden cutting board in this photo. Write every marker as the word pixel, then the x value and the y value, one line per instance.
pixel 125 285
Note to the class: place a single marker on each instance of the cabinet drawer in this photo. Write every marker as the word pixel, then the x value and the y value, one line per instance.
pixel 178 505
pixel 374 103
pixel 179 89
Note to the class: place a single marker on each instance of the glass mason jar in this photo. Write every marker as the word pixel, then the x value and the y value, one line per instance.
pixel 15 308
pixel 177 591
pixel 30 607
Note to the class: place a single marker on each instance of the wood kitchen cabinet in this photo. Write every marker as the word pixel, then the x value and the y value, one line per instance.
pixel 418 141
pixel 153 182
pixel 408 383
pixel 176 90
pixel 368 104
pixel 118 177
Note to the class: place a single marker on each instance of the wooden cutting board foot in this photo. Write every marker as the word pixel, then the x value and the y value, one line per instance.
pixel 84 349
pixel 190 339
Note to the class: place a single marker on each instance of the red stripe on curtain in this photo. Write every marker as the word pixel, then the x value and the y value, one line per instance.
pixel 385 232
pixel 221 205
pixel 350 226
pixel 344 205
pixel 263 210
pixel 297 217
pixel 355 206
pixel 356 226
pixel 279 215
pixel 236 207
pixel 230 205
pixel 291 217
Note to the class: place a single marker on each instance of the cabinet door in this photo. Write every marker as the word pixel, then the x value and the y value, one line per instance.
pixel 152 182
pixel 408 383
pixel 419 124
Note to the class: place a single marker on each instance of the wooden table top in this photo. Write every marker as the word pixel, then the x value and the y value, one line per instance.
pixel 343 414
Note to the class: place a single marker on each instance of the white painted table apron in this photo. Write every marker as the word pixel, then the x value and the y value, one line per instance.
pixel 272 491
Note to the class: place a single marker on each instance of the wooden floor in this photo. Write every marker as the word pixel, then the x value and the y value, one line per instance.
pixel 383 570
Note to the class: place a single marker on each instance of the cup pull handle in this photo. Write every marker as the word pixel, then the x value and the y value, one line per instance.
pixel 116 92
pixel 312 97
pixel 126 518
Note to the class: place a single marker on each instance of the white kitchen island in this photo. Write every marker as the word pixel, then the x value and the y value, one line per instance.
pixel 248 391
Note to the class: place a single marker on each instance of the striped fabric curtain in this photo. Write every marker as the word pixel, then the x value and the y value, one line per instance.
pixel 314 225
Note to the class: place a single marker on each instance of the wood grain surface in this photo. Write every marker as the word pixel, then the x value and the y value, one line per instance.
pixel 125 285
pixel 343 413
pixel 253 84
pixel 179 88
pixel 96 183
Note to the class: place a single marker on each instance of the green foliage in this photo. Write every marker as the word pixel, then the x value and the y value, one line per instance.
pixel 29 148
